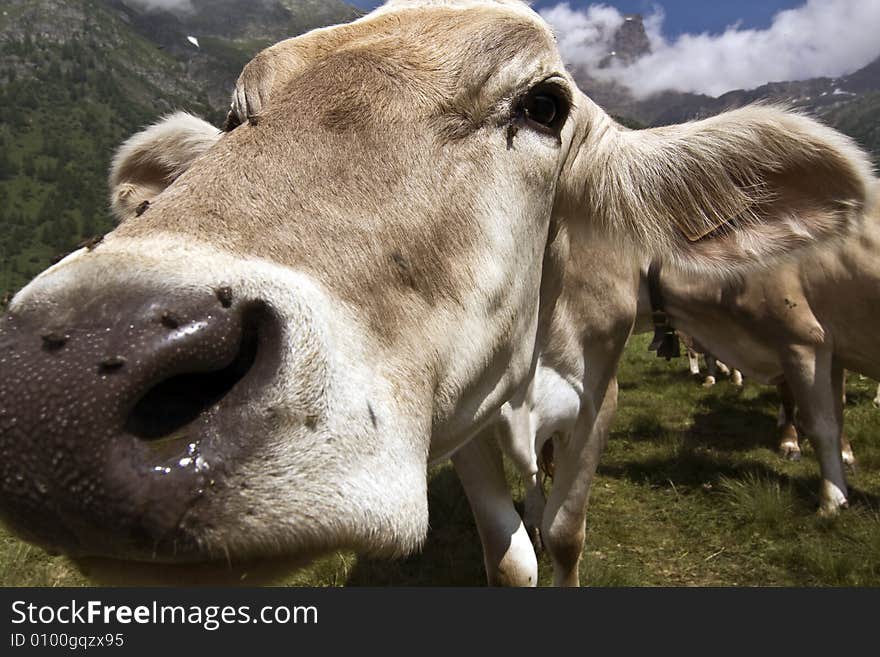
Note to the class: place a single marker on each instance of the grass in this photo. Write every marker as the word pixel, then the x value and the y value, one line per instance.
pixel 690 492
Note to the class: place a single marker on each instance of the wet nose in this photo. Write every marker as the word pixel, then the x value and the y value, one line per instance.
pixel 107 399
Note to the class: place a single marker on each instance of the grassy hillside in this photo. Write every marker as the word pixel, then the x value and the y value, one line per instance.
pixel 77 77
pixel 73 89
pixel 690 492
pixel 861 121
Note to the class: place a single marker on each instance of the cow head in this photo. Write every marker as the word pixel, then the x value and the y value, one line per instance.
pixel 295 316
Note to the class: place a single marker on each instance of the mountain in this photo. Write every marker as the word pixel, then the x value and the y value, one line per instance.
pixel 229 33
pixel 79 76
pixel 630 42
pixel 850 103
pixel 825 98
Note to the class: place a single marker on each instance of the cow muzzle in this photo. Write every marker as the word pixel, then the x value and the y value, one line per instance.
pixel 111 404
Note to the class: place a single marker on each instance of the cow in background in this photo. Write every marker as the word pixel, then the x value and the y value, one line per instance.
pixel 801 323
pixel 694 350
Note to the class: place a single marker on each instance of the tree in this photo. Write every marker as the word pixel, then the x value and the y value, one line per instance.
pixel 28 166
pixel 8 168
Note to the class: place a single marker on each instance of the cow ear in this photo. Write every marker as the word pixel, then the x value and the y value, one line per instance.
pixel 735 189
pixel 252 90
pixel 154 158
pixel 260 78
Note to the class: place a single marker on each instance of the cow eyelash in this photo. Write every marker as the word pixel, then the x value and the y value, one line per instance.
pixel 232 121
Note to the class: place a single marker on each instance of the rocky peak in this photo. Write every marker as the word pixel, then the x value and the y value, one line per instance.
pixel 629 44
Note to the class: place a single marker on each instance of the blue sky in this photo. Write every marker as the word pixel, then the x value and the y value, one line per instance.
pixel 684 16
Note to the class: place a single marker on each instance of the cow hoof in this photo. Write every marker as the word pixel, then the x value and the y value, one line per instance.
pixel 830 510
pixel 833 499
pixel 790 453
pixel 709 381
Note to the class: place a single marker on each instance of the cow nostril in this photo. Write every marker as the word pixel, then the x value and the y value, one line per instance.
pixel 224 295
pixel 113 363
pixel 170 320
pixel 174 403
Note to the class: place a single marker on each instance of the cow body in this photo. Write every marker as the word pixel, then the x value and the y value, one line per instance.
pixel 824 299
pixel 296 316
pixel 800 323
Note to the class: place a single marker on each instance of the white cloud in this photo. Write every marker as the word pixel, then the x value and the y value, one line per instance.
pixel 584 36
pixel 168 5
pixel 820 38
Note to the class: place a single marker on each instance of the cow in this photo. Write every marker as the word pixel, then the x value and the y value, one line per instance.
pixel 798 324
pixel 296 316
pixel 561 425
pixel 694 349
pixel 877 397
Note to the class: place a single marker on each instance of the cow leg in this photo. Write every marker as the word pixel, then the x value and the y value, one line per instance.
pixel 877 398
pixel 534 504
pixel 711 371
pixel 507 550
pixel 736 378
pixel 789 448
pixel 516 436
pixel 693 362
pixel 576 459
pixel 846 450
pixel 788 444
pixel 816 383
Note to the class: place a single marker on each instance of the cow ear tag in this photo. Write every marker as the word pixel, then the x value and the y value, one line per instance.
pixel 696 229
pixel 694 232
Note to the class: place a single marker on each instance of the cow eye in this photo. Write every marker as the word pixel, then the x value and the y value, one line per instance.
pixel 545 108
pixel 541 108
